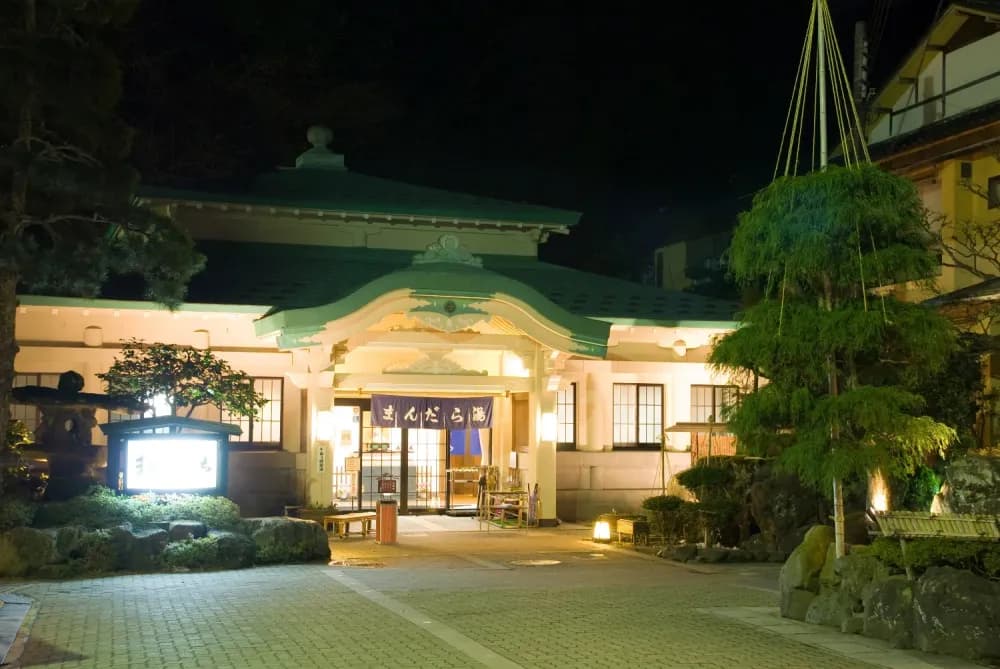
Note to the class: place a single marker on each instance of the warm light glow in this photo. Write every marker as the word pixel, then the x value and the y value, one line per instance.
pixel 324 426
pixel 171 464
pixel 879 492
pixel 680 348
pixel 602 531
pixel 548 432
pixel 513 365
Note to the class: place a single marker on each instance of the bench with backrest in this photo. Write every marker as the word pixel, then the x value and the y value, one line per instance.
pixel 905 525
pixel 342 522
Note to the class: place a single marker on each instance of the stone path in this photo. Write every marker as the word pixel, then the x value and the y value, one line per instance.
pixel 438 599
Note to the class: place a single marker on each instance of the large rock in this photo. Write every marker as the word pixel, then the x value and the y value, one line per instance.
pixel 801 571
pixel 956 612
pixel 282 539
pixel 858 573
pixel 972 485
pixel 781 505
pixel 236 550
pixel 889 611
pixel 144 552
pixel 756 546
pixel 832 608
pixel 713 554
pixel 24 550
pixel 187 529
pixel 682 553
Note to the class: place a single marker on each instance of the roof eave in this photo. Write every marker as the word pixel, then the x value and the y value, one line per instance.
pixel 561 227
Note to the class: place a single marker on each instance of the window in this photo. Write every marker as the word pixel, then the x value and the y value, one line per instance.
pixel 264 431
pixel 708 403
pixel 26 413
pixel 638 415
pixel 993 192
pixel 566 418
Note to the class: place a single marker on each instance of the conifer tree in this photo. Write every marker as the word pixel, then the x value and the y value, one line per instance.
pixel 834 358
pixel 68 217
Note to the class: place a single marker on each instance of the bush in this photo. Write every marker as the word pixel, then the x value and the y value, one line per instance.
pixel 192 554
pixel 980 557
pixel 101 507
pixel 716 477
pixel 98 553
pixel 916 492
pixel 671 517
pixel 16 512
pixel 216 512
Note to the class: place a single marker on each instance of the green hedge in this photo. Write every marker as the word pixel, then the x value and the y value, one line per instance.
pixel 981 557
pixel 100 507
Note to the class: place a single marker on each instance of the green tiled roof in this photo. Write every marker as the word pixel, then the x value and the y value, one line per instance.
pixel 345 191
pixel 288 277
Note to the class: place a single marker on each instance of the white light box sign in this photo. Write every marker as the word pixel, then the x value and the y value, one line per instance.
pixel 171 464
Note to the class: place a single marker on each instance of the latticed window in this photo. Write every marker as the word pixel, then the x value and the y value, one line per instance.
pixel 638 415
pixel 26 413
pixel 566 417
pixel 708 403
pixel 264 431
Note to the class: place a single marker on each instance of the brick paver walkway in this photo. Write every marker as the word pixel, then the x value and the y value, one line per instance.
pixel 438 600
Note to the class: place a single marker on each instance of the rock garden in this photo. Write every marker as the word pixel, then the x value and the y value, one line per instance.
pixel 103 533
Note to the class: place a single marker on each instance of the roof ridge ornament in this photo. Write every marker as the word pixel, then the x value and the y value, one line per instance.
pixel 447 249
pixel 320 156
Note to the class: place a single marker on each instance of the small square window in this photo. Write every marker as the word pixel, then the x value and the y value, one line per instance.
pixel 993 192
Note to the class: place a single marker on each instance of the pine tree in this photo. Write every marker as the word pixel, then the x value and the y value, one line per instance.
pixel 68 218
pixel 836 358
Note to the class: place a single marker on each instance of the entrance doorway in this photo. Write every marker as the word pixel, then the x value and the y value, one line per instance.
pixel 422 462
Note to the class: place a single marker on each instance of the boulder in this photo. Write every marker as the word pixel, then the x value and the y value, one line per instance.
pixel 831 608
pixel 777 556
pixel 282 539
pixel 756 547
pixel 888 611
pixel 972 485
pixel 236 551
pixel 828 576
pixel 801 571
pixel 24 550
pixel 145 550
pixel 956 612
pixel 713 554
pixel 796 604
pixel 67 541
pixel 682 553
pixel 187 529
pixel 857 573
pixel 739 555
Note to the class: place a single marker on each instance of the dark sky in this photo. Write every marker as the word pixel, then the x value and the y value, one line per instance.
pixel 654 119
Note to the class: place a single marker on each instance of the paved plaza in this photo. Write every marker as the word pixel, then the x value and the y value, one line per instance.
pixel 448 595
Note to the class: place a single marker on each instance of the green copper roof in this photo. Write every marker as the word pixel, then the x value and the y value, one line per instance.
pixel 320 181
pixel 295 277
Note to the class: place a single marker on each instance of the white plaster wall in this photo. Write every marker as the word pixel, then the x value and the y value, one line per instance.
pixel 589 484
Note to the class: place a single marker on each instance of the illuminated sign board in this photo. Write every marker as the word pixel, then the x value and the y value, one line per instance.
pixel 165 464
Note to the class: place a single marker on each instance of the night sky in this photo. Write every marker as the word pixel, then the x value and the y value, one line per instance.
pixel 654 119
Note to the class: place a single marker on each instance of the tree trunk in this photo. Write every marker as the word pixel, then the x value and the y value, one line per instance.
pixel 11 220
pixel 838 486
pixel 8 346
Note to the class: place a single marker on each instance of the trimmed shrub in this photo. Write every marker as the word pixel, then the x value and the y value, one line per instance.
pixel 980 557
pixel 101 507
pixel 16 512
pixel 671 517
pixel 192 554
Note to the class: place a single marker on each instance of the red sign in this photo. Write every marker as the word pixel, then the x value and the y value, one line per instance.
pixel 387 485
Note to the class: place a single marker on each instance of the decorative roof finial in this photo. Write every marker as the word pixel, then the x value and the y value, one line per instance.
pixel 320 156
pixel 319 136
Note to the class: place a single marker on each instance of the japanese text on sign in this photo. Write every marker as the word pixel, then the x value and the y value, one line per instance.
pixel 432 413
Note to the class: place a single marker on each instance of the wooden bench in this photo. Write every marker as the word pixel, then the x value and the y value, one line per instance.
pixel 342 522
pixel 905 525
pixel 637 531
